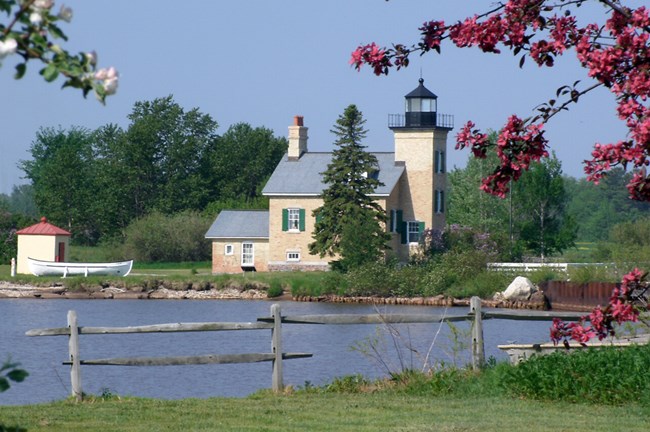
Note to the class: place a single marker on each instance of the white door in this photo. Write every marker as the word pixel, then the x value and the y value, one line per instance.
pixel 247 255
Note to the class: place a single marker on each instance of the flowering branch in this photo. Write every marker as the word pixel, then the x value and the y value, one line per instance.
pixel 32 42
pixel 616 55
pixel 625 305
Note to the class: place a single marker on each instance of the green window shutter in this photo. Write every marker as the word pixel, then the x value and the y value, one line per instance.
pixel 443 162
pixel 437 161
pixel 301 222
pixel 404 231
pixel 436 202
pixel 421 233
pixel 442 201
pixel 400 220
pixel 319 217
pixel 391 221
pixel 285 219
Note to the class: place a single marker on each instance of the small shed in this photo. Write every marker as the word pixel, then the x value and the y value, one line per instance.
pixel 42 241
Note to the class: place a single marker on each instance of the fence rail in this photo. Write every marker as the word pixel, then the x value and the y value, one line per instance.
pixel 273 323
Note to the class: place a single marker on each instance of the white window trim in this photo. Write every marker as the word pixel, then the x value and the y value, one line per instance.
pixel 252 254
pixel 409 231
pixel 296 213
pixel 296 259
pixel 229 249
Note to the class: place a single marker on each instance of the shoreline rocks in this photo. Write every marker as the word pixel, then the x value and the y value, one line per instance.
pixel 166 292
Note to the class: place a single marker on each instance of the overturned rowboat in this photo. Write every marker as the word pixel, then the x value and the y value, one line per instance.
pixel 64 269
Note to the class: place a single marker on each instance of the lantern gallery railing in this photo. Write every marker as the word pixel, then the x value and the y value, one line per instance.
pixel 421 120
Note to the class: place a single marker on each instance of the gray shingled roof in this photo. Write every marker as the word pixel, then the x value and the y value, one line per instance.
pixel 246 224
pixel 303 177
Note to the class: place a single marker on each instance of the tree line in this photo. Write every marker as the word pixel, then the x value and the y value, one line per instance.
pixel 545 212
pixel 95 183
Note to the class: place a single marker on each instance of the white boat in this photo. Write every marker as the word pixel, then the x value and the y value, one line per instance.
pixel 63 269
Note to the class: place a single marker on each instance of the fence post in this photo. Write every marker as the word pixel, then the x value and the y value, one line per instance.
pixel 276 347
pixel 478 347
pixel 73 348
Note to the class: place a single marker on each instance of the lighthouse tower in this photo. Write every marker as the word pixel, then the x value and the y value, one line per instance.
pixel 421 144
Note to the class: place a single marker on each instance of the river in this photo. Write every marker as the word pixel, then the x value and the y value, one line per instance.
pixel 331 346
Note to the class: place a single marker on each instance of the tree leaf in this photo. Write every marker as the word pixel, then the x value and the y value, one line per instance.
pixel 21 68
pixel 17 375
pixel 4 384
pixel 50 73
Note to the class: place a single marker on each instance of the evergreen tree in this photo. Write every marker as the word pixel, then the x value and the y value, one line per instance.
pixel 350 222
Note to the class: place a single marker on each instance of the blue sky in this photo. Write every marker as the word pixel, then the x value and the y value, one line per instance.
pixel 262 62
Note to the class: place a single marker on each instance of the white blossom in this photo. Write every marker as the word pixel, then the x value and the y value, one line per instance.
pixel 35 18
pixel 8 47
pixel 110 86
pixel 109 78
pixel 92 57
pixel 43 4
pixel 65 13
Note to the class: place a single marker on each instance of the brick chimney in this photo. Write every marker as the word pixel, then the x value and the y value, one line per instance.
pixel 297 139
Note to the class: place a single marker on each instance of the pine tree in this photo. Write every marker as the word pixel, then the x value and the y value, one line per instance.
pixel 350 223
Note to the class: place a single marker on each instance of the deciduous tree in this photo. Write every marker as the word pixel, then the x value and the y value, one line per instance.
pixel 62 174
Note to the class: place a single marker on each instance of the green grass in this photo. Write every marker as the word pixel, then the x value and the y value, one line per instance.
pixel 325 412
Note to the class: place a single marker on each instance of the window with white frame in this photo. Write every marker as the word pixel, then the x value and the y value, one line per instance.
pixel 294 219
pixel 229 249
pixel 293 256
pixel 247 254
pixel 413 231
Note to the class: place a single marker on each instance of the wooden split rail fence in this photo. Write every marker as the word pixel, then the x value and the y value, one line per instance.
pixel 273 323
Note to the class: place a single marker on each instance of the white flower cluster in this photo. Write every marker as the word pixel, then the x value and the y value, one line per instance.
pixel 7 47
pixel 109 78
pixel 38 7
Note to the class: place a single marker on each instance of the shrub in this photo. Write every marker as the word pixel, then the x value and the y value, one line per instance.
pixel 161 238
pixel 588 274
pixel 484 284
pixel 275 289
pixel 371 279
pixel 545 274
pixel 605 375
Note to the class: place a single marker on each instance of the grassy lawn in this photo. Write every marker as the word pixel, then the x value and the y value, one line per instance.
pixel 326 412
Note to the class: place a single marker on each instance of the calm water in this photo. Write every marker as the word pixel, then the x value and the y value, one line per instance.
pixel 331 345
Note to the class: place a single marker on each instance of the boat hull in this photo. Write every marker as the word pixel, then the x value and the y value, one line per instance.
pixel 64 269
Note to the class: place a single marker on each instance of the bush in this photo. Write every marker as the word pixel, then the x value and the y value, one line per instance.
pixel 161 238
pixel 484 284
pixel 371 279
pixel 545 274
pixel 588 274
pixel 605 375
pixel 275 289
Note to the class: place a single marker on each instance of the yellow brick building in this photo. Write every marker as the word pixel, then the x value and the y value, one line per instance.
pixel 413 195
